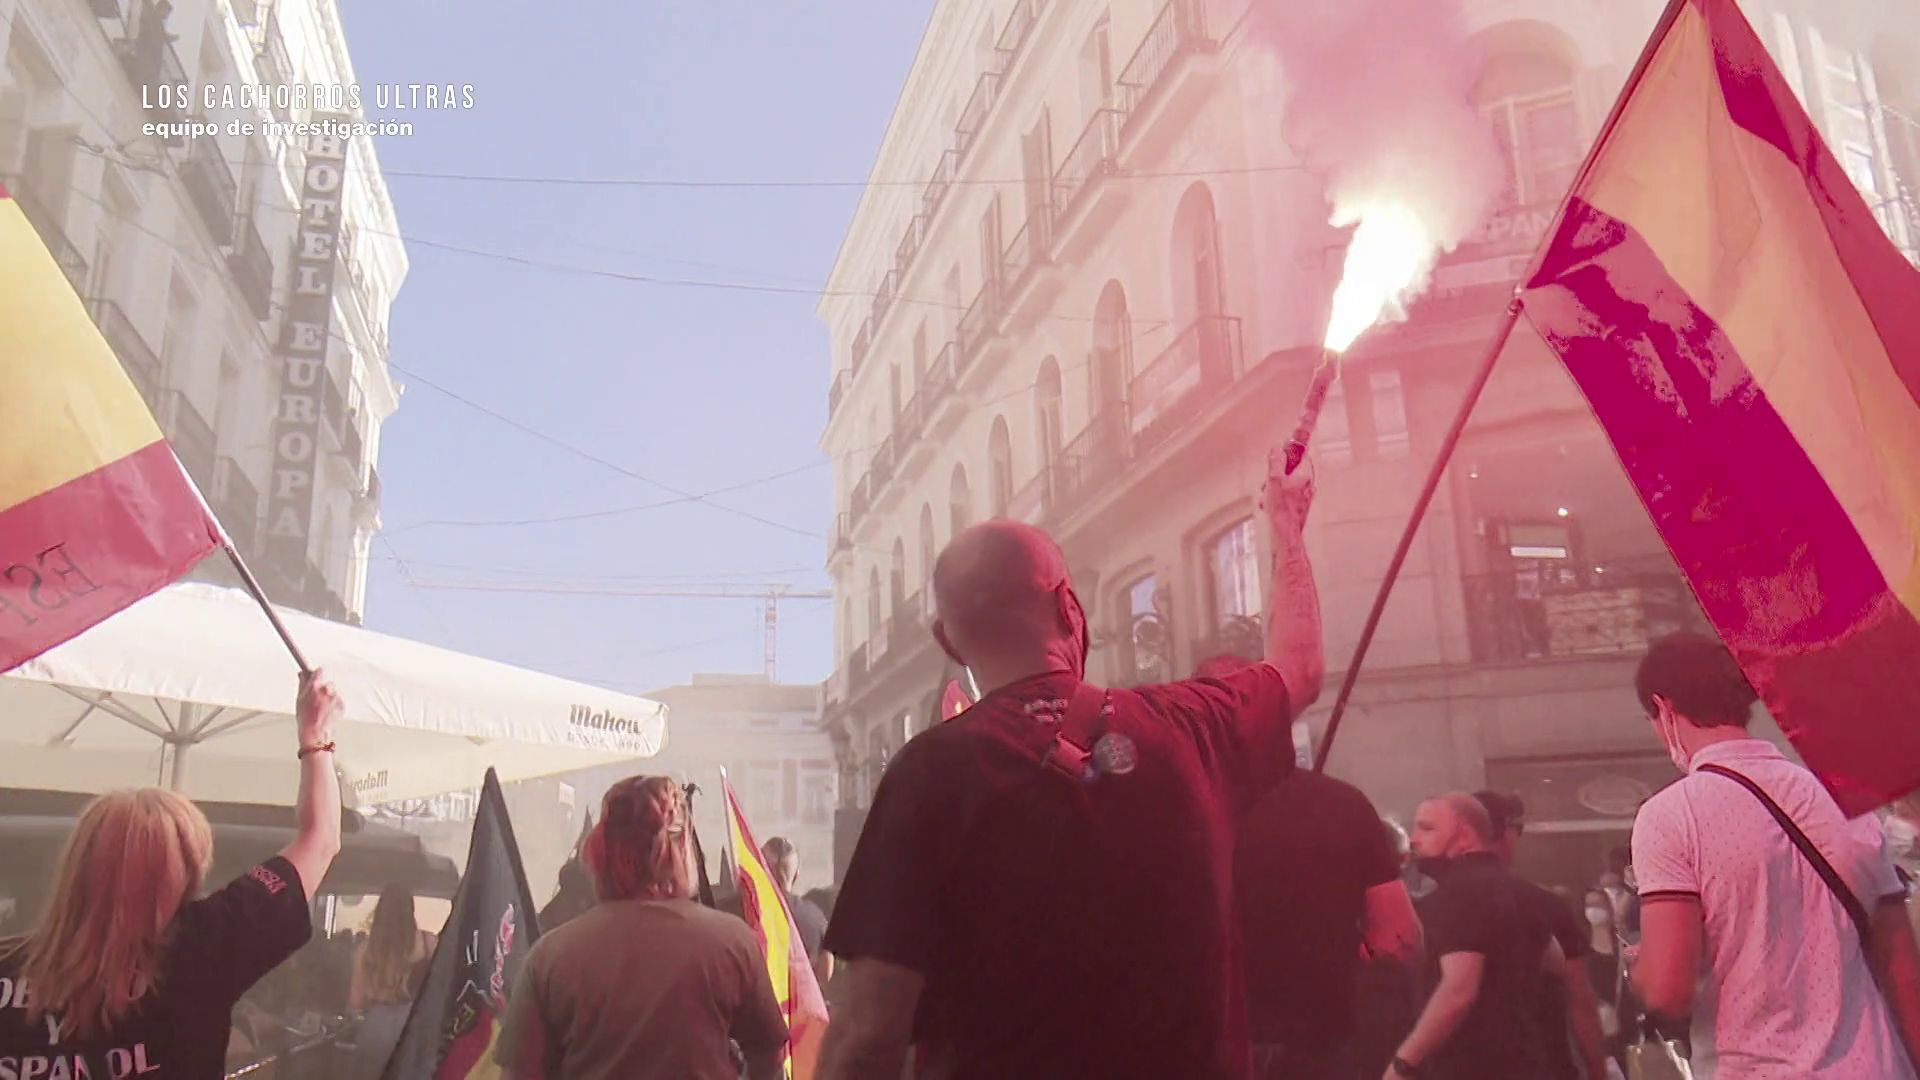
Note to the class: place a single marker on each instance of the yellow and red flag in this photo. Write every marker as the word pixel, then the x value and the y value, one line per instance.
pixel 1750 340
pixel 763 903
pixel 95 510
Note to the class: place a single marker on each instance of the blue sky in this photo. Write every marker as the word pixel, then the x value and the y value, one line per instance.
pixel 699 389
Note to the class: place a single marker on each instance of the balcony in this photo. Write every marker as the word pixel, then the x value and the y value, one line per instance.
pixel 837 390
pixel 210 187
pixel 862 344
pixel 1090 462
pixel 47 221
pixel 1024 262
pixel 151 62
pixel 192 438
pixel 883 298
pixel 1188 374
pixel 910 242
pixel 1601 615
pixel 973 116
pixel 942 379
pixel 1078 183
pixel 1183 29
pixel 938 184
pixel 252 268
pixel 237 502
pixel 859 501
pixel 977 325
pixel 857 671
pixel 136 356
pixel 880 473
pixel 907 628
pixel 840 537
pixel 1016 32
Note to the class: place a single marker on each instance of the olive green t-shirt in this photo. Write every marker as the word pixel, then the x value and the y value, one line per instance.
pixel 636 989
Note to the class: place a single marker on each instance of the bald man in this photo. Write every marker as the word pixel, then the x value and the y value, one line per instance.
pixel 1493 951
pixel 1044 885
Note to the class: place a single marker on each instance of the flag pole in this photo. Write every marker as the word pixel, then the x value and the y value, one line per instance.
pixel 1452 440
pixel 260 596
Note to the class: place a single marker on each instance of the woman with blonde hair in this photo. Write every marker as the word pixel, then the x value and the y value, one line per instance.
pixel 127 973
pixel 383 978
pixel 682 979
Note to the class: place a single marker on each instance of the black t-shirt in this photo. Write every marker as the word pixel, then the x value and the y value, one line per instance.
pixel 1576 941
pixel 1480 908
pixel 220 946
pixel 1068 927
pixel 1308 852
pixel 811 921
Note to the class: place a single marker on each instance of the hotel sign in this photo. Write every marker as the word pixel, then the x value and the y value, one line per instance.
pixel 305 331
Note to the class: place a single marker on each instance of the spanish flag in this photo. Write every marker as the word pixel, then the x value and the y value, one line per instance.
pixel 1750 340
pixel 763 904
pixel 95 510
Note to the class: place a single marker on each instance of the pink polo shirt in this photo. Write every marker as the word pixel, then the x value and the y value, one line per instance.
pixel 1789 989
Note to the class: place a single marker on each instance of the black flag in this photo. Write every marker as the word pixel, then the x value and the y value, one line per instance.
pixel 457 1014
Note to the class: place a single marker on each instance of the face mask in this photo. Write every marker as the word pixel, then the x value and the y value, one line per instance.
pixel 1597 916
pixel 1670 738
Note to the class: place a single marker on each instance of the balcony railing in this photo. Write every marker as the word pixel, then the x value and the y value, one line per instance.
pixel 1197 365
pixel 136 356
pixel 47 222
pixel 1180 27
pixel 862 342
pixel 884 295
pixel 837 390
pixel 976 325
pixel 1596 614
pixel 910 241
pixel 210 186
pixel 1032 502
pixel 1015 34
pixel 973 117
pixel 1092 158
pixel 252 267
pixel 1029 247
pixel 238 502
pixel 151 62
pixel 192 438
pixel 1087 463
pixel 938 183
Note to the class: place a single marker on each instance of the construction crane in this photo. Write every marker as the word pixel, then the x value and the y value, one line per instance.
pixel 768 593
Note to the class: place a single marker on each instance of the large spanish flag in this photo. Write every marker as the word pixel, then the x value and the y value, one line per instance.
pixel 95 511
pixel 1750 340
pixel 763 903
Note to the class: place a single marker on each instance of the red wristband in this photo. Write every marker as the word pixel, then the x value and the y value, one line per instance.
pixel 323 748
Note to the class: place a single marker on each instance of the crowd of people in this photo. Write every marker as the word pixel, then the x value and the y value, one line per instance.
pixel 1070 880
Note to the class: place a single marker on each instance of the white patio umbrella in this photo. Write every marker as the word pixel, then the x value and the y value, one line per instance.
pixel 190 689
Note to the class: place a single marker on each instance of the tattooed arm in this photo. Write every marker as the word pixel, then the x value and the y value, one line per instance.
pixel 1293 607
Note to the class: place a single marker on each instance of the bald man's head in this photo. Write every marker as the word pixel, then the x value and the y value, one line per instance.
pixel 1003 585
pixel 1450 825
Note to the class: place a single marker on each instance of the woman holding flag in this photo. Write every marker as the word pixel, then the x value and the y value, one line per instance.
pixel 649 983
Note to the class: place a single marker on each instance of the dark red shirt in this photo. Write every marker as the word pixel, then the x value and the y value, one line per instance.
pixel 1068 927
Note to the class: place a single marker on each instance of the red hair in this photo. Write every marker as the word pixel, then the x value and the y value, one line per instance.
pixel 639 849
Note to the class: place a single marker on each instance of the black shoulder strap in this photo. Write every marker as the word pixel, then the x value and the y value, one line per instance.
pixel 1072 749
pixel 1855 909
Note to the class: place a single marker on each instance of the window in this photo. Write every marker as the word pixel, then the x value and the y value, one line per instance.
pixel 1112 350
pixel 790 789
pixel 1389 414
pixel 897 579
pixel 1096 69
pixel 1526 94
pixel 927 553
pixel 1049 422
pixel 1000 475
pixel 919 359
pixel 893 390
pixel 1148 648
pixel 959 502
pixel 1333 437
pixel 817 792
pixel 990 249
pixel 1233 571
pixel 873 612
pixel 1195 257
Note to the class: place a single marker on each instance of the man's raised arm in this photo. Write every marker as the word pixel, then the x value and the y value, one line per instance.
pixel 1293 605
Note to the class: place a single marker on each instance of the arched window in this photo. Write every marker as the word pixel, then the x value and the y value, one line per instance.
pixel 959 501
pixel 928 553
pixel 1000 466
pixel 846 626
pixel 897 578
pixel 1049 423
pixel 873 611
pixel 1526 94
pixel 1112 360
pixel 1195 257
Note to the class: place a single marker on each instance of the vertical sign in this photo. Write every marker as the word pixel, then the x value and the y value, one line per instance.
pixel 303 350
